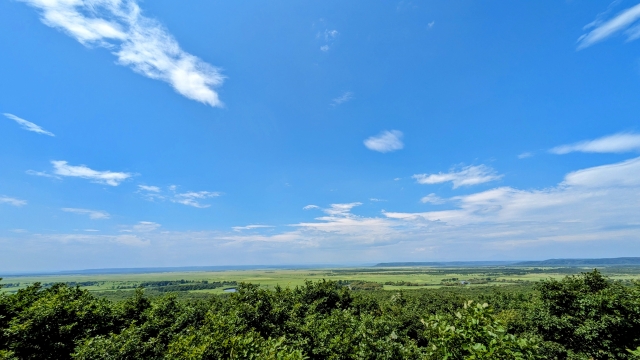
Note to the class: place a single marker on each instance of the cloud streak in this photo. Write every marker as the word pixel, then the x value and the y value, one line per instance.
pixel 93 214
pixel 28 125
pixel 346 96
pixel 624 21
pixel 617 143
pixel 386 141
pixel 193 198
pixel 467 176
pixel 138 42
pixel 12 201
pixel 111 178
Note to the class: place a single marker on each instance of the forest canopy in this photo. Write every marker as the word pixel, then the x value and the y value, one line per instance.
pixel 586 316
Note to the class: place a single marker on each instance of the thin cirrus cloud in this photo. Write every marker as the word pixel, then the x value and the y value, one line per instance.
pixel 250 227
pixel 329 36
pixel 111 178
pixel 93 214
pixel 138 42
pixel 617 143
pixel 190 198
pixel 28 125
pixel 432 199
pixel 193 198
pixel 386 141
pixel 12 201
pixel 346 96
pixel 467 176
pixel 625 21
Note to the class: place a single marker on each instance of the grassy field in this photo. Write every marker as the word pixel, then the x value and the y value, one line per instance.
pixel 385 278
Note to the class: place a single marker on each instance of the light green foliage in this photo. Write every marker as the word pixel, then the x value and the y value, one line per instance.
pixel 473 333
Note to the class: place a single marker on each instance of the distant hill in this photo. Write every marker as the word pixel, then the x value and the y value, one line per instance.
pixel 621 261
pixel 446 264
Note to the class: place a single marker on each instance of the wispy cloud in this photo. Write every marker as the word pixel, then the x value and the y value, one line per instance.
pixel 346 96
pixel 12 201
pixel 328 37
pixel 154 189
pixel 592 212
pixel 138 42
pixel 250 227
pixel 309 207
pixel 93 214
pixel 145 226
pixel 193 198
pixel 617 143
pixel 625 21
pixel 433 199
pixel 28 125
pixel 525 155
pixel 190 198
pixel 111 178
pixel 467 176
pixel 386 141
pixel 42 173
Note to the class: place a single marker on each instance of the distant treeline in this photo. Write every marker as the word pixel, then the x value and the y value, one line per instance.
pixel 178 285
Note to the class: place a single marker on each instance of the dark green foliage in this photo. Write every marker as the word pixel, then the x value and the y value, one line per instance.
pixel 589 316
pixel 580 317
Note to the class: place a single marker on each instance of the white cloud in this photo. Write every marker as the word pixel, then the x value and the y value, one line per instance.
pixel 342 210
pixel 328 37
pixel 12 201
pixel 111 178
pixel 433 199
pixel 155 189
pixel 376 200
pixel 617 143
pixel 28 125
pixel 467 176
pixel 93 214
pixel 145 226
pixel 624 21
pixel 97 240
pixel 346 96
pixel 309 207
pixel 151 193
pixel 191 198
pixel 525 155
pixel 250 227
pixel 330 34
pixel 593 212
pixel 431 24
pixel 42 173
pixel 139 42
pixel 386 141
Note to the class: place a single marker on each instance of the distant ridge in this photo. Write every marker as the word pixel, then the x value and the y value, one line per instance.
pixel 446 264
pixel 621 261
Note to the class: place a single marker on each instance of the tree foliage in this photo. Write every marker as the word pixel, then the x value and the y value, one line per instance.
pixel 579 317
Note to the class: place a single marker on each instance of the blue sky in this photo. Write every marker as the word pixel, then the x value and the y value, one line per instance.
pixel 166 133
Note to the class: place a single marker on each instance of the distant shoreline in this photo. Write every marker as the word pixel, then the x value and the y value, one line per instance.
pixel 602 262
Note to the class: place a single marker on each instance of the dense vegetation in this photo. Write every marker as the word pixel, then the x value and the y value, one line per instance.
pixel 584 316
